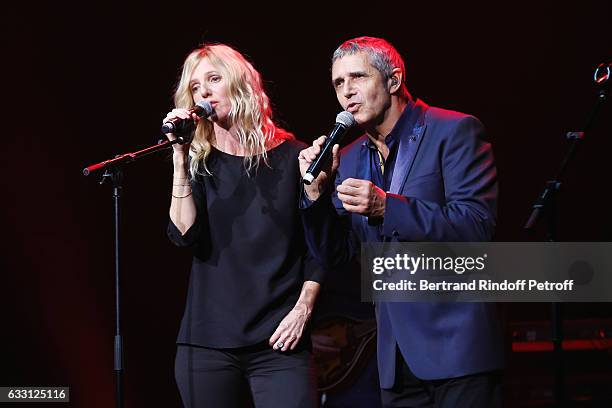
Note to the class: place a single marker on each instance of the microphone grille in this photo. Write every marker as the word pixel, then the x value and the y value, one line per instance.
pixel 206 109
pixel 346 118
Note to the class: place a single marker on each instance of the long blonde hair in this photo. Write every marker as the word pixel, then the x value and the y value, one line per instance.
pixel 250 112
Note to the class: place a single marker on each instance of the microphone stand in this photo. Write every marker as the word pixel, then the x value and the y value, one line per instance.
pixel 113 173
pixel 546 205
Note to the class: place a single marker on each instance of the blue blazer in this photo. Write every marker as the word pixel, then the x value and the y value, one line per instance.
pixel 444 188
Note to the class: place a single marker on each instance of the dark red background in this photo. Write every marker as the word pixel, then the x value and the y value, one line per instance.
pixel 86 81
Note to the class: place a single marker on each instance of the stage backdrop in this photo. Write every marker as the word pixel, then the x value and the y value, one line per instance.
pixel 86 81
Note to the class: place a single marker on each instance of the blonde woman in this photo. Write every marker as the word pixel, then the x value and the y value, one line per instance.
pixel 235 203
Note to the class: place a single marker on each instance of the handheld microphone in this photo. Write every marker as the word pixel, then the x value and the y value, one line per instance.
pixel 344 121
pixel 178 125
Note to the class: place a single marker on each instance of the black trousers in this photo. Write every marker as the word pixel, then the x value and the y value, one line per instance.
pixel 471 391
pixel 238 378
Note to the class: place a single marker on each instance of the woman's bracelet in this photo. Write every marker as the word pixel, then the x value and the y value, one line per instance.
pixel 185 196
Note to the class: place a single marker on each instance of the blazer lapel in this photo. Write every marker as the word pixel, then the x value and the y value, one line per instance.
pixel 408 147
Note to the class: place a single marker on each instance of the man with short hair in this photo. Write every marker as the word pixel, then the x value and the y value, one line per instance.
pixel 419 173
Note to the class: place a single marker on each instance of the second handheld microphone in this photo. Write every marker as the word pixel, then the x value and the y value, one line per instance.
pixel 344 121
pixel 179 125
